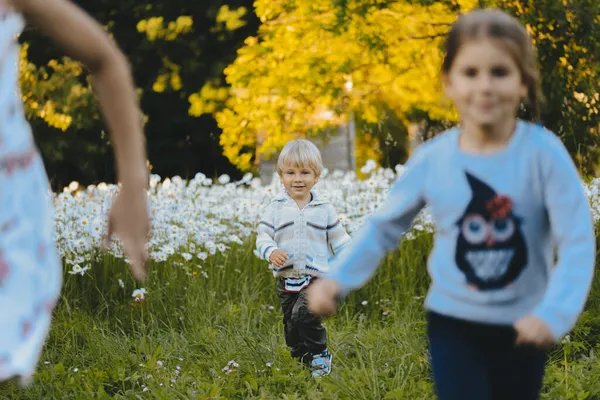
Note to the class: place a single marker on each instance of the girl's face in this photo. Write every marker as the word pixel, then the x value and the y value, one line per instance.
pixel 485 84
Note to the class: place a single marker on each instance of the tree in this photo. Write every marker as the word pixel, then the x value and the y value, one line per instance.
pixel 308 68
pixel 567 37
pixel 175 47
pixel 314 63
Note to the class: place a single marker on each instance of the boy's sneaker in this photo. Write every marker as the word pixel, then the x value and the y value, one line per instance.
pixel 321 363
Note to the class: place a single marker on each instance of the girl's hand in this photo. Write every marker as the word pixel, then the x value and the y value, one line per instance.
pixel 128 218
pixel 322 297
pixel 533 331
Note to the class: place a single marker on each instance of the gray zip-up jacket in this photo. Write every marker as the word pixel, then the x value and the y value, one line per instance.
pixel 311 236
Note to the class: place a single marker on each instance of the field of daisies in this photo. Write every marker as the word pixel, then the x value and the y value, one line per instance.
pixel 206 325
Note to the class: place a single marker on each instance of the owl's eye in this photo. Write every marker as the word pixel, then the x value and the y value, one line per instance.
pixel 474 229
pixel 503 229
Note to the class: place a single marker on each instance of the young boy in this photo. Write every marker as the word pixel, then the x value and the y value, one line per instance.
pixel 298 234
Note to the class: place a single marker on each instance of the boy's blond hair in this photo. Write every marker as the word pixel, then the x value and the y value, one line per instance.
pixel 300 153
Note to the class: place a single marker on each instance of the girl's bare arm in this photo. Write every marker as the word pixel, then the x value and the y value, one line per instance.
pixel 85 40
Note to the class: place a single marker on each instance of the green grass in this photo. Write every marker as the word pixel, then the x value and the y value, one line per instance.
pixel 199 324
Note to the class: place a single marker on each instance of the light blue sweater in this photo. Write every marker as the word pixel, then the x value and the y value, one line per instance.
pixel 497 218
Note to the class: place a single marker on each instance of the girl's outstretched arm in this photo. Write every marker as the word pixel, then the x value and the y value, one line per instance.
pixel 379 235
pixel 85 40
pixel 573 234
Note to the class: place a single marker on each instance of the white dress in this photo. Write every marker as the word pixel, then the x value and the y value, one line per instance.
pixel 30 269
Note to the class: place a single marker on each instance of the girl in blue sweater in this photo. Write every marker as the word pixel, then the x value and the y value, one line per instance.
pixel 503 193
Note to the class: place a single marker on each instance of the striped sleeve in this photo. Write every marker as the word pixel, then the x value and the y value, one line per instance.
pixel 337 236
pixel 265 244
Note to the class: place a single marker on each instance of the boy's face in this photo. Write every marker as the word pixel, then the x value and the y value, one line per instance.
pixel 298 181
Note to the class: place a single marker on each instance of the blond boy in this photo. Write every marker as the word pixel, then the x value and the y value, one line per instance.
pixel 298 234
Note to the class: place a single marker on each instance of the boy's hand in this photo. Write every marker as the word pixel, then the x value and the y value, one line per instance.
pixel 533 331
pixel 322 297
pixel 278 258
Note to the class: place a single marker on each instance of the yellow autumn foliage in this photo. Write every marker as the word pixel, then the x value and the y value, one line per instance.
pixel 313 63
pixel 53 92
pixel 233 19
pixel 155 27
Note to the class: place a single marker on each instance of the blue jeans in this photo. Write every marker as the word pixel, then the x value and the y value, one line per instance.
pixel 481 362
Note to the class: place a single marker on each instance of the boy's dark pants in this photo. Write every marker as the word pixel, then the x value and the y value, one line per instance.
pixel 304 333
